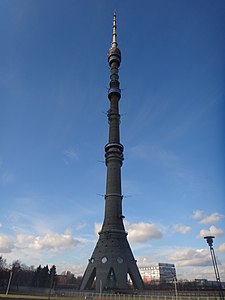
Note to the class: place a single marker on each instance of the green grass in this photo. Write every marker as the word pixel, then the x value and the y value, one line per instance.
pixel 12 296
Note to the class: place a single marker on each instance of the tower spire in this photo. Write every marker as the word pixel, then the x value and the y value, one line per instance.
pixel 112 259
pixel 114 35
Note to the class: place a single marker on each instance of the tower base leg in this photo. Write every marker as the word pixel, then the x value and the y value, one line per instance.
pixel 110 265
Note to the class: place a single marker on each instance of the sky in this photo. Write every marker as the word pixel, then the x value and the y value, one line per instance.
pixel 54 78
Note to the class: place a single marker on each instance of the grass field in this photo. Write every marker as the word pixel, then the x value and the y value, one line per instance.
pixel 114 297
pixel 14 297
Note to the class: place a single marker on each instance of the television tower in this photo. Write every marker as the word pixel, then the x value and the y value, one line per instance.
pixel 112 259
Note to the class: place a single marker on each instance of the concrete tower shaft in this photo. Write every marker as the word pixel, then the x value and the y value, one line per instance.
pixel 113 150
pixel 112 259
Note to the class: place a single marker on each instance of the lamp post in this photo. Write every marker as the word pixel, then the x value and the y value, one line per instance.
pixel 209 240
pixel 175 287
pixel 9 282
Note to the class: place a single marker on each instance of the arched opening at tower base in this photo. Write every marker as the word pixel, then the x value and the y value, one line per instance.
pixel 110 283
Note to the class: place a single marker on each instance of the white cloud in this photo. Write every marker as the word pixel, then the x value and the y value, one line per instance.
pixel 138 233
pixel 197 214
pixel 217 232
pixel 98 227
pixel 6 244
pixel 196 272
pixel 145 261
pixel 221 248
pixel 142 232
pixel 53 241
pixel 76 269
pixel 181 228
pixel 211 219
pixel 190 257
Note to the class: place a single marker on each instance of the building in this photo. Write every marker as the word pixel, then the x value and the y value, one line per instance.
pixel 162 272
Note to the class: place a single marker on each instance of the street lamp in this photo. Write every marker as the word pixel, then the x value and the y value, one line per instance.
pixel 175 287
pixel 209 240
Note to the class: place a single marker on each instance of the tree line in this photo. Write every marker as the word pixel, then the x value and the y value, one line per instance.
pixel 18 274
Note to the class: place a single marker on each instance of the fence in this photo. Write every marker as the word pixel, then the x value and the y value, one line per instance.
pixel 152 296
pixel 146 295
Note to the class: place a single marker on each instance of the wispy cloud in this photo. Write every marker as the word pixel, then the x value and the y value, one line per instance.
pixel 32 215
pixel 28 222
pixel 7 176
pixel 156 154
pixel 213 230
pixel 181 228
pixel 211 219
pixel 81 226
pixel 163 158
pixel 70 155
pixel 197 214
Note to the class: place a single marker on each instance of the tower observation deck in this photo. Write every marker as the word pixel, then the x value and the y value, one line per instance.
pixel 112 259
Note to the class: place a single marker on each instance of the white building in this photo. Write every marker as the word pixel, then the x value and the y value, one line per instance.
pixel 162 272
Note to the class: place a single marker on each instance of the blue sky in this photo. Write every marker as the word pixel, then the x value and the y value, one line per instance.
pixel 53 94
